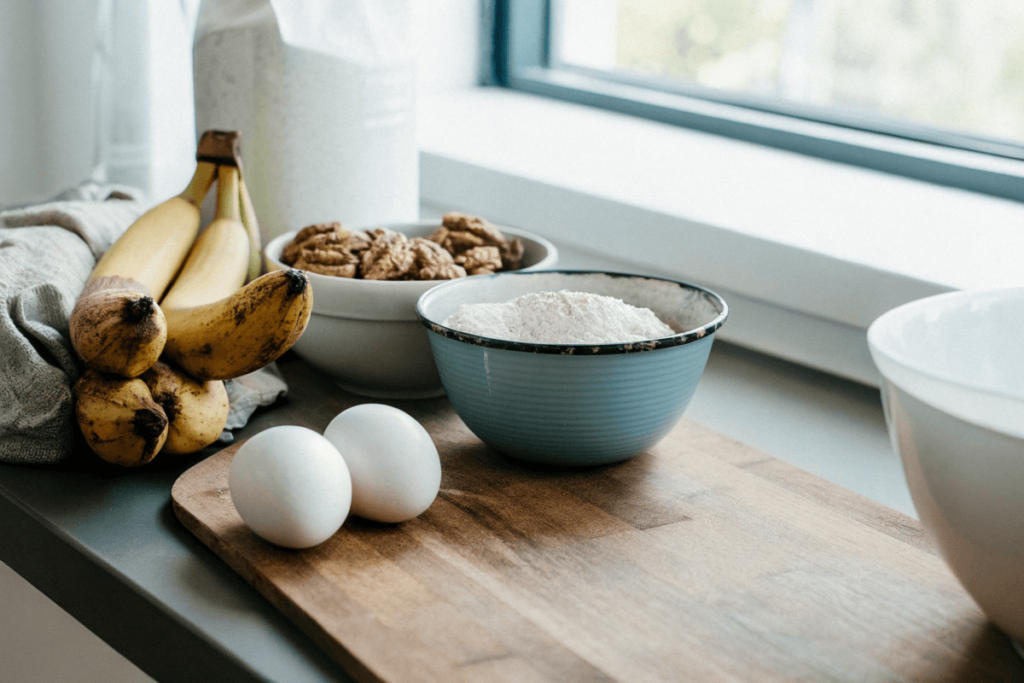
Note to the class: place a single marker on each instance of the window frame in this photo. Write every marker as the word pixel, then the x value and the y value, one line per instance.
pixel 519 60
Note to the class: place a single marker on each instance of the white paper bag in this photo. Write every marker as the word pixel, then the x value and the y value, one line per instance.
pixel 323 93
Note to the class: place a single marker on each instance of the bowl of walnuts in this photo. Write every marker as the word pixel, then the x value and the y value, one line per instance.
pixel 363 330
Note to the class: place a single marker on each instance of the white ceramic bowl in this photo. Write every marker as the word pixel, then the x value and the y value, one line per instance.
pixel 952 371
pixel 365 333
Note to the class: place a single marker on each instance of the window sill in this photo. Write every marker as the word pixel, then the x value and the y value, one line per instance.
pixel 807 252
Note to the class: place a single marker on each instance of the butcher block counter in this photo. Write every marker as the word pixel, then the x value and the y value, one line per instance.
pixel 703 559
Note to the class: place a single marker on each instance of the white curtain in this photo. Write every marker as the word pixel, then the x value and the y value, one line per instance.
pixel 95 89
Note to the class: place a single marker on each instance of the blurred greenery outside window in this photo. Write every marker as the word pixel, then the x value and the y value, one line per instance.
pixel 849 80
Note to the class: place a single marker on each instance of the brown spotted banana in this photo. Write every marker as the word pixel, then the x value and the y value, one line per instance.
pixel 242 332
pixel 119 418
pixel 116 325
pixel 196 411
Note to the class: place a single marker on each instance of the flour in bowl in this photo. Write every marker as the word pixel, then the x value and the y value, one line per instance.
pixel 560 318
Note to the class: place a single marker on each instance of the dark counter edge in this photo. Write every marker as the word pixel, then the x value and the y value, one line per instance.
pixel 159 641
pixel 104 601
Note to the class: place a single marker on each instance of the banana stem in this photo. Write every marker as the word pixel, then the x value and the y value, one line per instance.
pixel 200 184
pixel 227 193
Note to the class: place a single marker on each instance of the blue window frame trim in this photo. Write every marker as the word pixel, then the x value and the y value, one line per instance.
pixel 520 61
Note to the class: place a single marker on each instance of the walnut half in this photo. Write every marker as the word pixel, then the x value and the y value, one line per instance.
pixel 326 249
pixel 480 260
pixel 461 233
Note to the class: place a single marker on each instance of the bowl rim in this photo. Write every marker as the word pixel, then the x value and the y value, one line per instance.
pixel 686 337
pixel 878 341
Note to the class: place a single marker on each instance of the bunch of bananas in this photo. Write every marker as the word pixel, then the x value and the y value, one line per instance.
pixel 169 313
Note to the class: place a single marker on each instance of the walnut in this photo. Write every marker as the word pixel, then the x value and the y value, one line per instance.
pixel 390 257
pixel 326 249
pixel 480 260
pixel 433 262
pixel 482 229
pixel 290 254
pixel 338 270
pixel 460 233
pixel 512 255
pixel 316 229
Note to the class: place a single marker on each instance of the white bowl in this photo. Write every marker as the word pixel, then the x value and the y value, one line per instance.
pixel 365 333
pixel 952 371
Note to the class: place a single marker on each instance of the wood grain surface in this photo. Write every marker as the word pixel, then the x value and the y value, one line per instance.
pixel 702 560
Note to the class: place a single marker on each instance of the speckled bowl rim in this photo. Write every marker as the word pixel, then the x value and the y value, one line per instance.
pixel 576 349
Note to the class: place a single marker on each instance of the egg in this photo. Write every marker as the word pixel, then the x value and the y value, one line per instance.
pixel 395 468
pixel 290 486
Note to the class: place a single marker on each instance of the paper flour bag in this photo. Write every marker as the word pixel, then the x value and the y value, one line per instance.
pixel 323 94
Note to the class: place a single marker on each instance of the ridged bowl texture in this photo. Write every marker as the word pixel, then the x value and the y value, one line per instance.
pixel 573 405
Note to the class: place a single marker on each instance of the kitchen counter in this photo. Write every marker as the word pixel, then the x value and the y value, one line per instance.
pixel 104 544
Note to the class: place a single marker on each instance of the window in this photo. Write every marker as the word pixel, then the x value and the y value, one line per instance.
pixel 833 216
pixel 929 89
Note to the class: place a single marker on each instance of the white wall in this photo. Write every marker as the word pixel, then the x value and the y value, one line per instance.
pixel 49 127
pixel 48 122
pixel 42 131
pixel 447 44
pixel 18 136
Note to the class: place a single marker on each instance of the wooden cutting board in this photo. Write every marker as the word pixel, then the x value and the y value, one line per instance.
pixel 703 559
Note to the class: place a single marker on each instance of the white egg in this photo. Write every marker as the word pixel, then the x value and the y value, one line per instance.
pixel 395 468
pixel 290 486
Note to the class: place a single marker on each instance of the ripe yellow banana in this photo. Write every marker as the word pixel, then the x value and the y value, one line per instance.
pixel 152 249
pixel 242 332
pixel 218 261
pixel 115 325
pixel 119 419
pixel 196 411
pixel 252 227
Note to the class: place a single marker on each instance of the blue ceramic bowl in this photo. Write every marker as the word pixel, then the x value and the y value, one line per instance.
pixel 572 404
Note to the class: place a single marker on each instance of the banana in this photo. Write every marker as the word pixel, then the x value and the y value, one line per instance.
pixel 242 332
pixel 152 249
pixel 119 331
pixel 196 411
pixel 115 325
pixel 252 227
pixel 119 419
pixel 219 260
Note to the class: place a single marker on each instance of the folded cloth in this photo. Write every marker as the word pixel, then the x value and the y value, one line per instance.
pixel 249 392
pixel 47 253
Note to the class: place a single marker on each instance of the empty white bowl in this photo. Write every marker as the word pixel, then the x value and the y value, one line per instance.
pixel 365 333
pixel 952 371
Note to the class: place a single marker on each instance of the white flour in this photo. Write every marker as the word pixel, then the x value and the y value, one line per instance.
pixel 560 318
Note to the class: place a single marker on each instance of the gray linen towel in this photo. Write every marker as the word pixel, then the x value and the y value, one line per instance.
pixel 249 392
pixel 47 253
